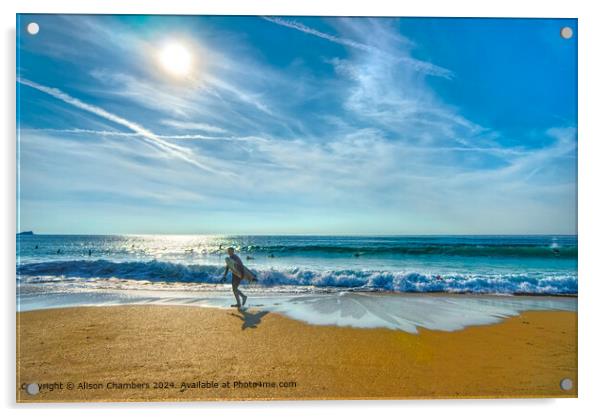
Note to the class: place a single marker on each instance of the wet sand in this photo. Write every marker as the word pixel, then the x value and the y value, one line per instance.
pixel 179 353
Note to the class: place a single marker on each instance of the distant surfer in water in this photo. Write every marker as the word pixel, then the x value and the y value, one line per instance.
pixel 237 275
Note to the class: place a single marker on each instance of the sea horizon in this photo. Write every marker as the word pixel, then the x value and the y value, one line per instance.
pixel 303 234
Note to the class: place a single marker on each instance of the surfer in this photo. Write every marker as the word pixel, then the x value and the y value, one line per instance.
pixel 235 277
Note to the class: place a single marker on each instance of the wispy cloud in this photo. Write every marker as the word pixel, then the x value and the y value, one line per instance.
pixel 416 64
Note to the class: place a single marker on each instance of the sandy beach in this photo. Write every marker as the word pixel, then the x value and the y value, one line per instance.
pixel 179 353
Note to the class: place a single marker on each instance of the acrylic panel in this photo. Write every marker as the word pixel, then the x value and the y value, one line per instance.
pixel 256 207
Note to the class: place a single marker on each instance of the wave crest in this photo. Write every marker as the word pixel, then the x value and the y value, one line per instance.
pixel 397 281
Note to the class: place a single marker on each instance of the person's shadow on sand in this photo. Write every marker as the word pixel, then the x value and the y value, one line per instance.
pixel 250 320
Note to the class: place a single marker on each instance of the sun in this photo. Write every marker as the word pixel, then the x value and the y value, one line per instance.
pixel 175 59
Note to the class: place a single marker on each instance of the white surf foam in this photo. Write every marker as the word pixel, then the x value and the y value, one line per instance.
pixel 406 312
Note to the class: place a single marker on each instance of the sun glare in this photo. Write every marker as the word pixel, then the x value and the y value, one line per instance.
pixel 176 59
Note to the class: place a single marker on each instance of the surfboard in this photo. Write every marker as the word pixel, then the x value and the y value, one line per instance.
pixel 248 275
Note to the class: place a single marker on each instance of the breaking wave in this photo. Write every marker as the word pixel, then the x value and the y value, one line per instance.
pixel 398 281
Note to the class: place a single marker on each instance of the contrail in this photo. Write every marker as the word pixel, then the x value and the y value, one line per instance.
pixel 171 149
pixel 311 31
pixel 135 134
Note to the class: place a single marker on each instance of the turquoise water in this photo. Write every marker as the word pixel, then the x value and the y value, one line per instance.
pixel 466 264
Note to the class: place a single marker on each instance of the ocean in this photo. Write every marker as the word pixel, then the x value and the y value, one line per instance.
pixel 361 281
pixel 455 264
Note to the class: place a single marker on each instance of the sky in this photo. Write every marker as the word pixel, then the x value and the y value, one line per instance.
pixel 296 125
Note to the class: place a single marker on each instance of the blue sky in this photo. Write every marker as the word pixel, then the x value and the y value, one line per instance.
pixel 286 125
